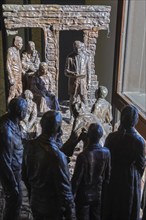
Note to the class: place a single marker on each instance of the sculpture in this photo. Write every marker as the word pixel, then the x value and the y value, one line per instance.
pixel 82 119
pixel 127 162
pixel 103 109
pixel 92 170
pixel 30 63
pixel 14 68
pixel 29 123
pixel 41 86
pixel 48 185
pixel 11 151
pixel 78 71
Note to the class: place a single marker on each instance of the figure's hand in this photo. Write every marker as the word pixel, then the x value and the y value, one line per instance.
pixel 32 68
pixel 12 81
pixel 83 135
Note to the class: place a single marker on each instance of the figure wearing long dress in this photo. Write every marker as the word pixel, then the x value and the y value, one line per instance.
pixel 14 68
pixel 41 89
pixel 30 63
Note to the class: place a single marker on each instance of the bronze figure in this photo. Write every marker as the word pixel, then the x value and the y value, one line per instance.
pixel 11 151
pixel 14 68
pixel 92 170
pixel 78 72
pixel 48 185
pixel 30 63
pixel 103 109
pixel 29 123
pixel 41 86
pixel 127 162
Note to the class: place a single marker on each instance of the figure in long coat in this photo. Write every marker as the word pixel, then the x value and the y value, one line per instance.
pixel 78 71
pixel 127 162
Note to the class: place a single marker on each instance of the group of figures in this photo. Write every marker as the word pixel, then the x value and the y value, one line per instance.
pixel 26 72
pixel 106 180
pixel 30 78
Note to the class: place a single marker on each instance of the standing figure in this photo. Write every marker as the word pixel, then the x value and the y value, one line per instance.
pixel 46 174
pixel 103 109
pixel 92 170
pixel 14 68
pixel 127 162
pixel 11 151
pixel 78 71
pixel 30 63
pixel 41 87
pixel 29 123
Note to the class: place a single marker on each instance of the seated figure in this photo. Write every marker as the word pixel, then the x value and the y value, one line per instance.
pixel 28 124
pixel 41 89
pixel 30 63
pixel 102 109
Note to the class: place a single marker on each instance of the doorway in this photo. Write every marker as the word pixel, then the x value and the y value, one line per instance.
pixel 66 39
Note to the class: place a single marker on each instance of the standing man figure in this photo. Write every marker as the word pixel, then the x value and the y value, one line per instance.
pixel 127 162
pixel 11 151
pixel 46 174
pixel 92 172
pixel 78 71
pixel 14 68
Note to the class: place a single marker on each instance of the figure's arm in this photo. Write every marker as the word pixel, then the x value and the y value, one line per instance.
pixel 68 71
pixel 109 116
pixel 89 71
pixel 140 161
pixel 33 115
pixel 6 154
pixel 69 146
pixel 9 66
pixel 37 61
pixel 78 173
pixel 24 171
pixel 107 169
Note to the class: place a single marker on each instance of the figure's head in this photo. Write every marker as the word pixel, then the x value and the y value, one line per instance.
pixel 31 46
pixel 28 94
pixel 51 123
pixel 101 92
pixel 95 132
pixel 43 68
pixel 129 116
pixel 78 46
pixel 18 42
pixel 17 108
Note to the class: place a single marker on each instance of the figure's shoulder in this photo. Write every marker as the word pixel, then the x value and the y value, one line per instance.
pixel 106 150
pixel 139 139
pixel 7 127
pixel 11 50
